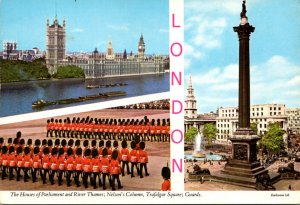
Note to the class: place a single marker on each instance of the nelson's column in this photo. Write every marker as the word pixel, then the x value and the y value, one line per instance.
pixel 243 168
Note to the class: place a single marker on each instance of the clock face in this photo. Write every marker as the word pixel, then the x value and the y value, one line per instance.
pixel 140 47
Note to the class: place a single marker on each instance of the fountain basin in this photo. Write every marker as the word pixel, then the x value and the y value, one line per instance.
pixel 198 155
pixel 212 157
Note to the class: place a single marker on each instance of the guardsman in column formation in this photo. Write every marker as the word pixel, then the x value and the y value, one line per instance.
pixel 45 164
pixel 105 167
pixel 29 144
pixel 77 146
pixel 63 144
pixel 5 161
pixel 166 174
pixel 27 163
pixel 48 126
pixel 36 161
pixel 133 158
pixel 116 145
pixel 143 159
pixel 125 158
pixel 57 143
pixel 86 167
pixel 100 149
pixel 79 166
pixel 53 164
pixel 109 150
pixel 12 162
pixel 50 145
pixel 96 165
pixel 70 165
pixel 115 170
pixel 61 165
pixel 19 159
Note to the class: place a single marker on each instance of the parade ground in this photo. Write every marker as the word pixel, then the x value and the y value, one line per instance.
pixel 158 152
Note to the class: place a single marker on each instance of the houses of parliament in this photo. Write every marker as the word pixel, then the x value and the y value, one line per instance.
pixel 96 64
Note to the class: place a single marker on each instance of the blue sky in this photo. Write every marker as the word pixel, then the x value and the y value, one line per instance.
pixel 90 23
pixel 211 51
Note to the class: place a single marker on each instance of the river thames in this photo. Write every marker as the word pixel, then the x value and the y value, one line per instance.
pixel 16 98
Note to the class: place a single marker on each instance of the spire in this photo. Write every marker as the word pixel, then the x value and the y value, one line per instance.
pixel 141 39
pixel 190 82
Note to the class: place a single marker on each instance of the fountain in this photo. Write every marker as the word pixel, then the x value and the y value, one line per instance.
pixel 198 147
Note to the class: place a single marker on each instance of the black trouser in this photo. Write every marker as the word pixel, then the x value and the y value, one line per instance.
pixel 44 175
pixel 123 167
pixel 33 174
pixel 141 169
pixel 132 168
pixel 26 176
pixel 11 172
pixel 69 173
pixel 104 179
pixel 114 177
pixel 76 178
pixel 51 176
pixel 86 175
pixel 59 176
pixel 18 170
pixel 4 172
pixel 94 180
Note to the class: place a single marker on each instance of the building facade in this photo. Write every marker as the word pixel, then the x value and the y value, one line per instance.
pixel 262 115
pixel 293 120
pixel 55 44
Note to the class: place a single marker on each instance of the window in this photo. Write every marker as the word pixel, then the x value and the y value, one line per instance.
pixel 257 109
pixel 274 113
pixel 279 108
pixel 274 108
pixel 260 125
pixel 270 108
pixel 270 114
pixel 265 125
pixel 262 109
pixel 262 113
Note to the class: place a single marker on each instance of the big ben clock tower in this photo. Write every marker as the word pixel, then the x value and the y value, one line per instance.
pixel 141 48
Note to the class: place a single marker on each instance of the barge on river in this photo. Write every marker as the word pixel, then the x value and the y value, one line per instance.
pixel 41 102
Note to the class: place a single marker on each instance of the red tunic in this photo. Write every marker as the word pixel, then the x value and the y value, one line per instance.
pixel 105 165
pixel 115 167
pixel 143 156
pixel 166 185
pixel 70 164
pixel 20 160
pixel 79 163
pixel 134 156
pixel 36 161
pixel 86 165
pixel 12 160
pixel 119 153
pixel 125 154
pixel 46 162
pixel 5 161
pixel 96 165
pixel 54 163
pixel 27 161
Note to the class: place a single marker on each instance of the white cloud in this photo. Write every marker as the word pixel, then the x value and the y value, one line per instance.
pixel 163 30
pixel 123 27
pixel 77 30
pixel 276 80
pixel 190 51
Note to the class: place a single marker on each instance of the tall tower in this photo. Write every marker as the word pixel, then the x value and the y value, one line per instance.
pixel 110 51
pixel 190 102
pixel 56 44
pixel 243 168
pixel 141 48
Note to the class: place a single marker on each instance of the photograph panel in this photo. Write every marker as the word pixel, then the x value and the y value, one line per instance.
pixel 242 103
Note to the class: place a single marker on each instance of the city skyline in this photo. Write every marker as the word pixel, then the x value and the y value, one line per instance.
pixel 122 22
pixel 211 52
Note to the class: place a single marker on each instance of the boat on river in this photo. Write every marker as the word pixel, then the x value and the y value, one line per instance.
pixel 106 85
pixel 41 102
